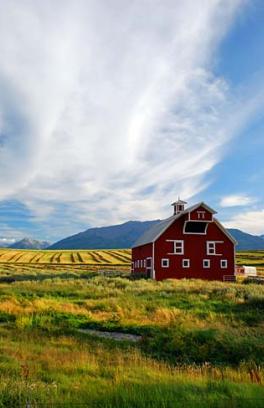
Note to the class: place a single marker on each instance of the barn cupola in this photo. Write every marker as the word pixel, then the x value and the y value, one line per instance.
pixel 178 206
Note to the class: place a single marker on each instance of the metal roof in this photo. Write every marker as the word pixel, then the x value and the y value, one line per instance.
pixel 156 230
pixel 152 233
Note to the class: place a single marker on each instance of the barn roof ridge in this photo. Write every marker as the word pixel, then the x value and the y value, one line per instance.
pixel 156 230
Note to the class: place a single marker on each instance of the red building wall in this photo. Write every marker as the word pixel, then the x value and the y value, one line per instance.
pixel 195 250
pixel 139 260
pixel 200 214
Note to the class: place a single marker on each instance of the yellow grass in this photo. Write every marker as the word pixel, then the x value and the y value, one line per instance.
pixel 64 257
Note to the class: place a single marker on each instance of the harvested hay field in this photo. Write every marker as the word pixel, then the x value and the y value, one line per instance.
pixel 109 257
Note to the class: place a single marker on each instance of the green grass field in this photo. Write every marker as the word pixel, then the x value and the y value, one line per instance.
pixel 202 342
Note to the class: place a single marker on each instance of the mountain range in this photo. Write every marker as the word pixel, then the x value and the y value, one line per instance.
pixel 27 243
pixel 124 236
pixel 115 236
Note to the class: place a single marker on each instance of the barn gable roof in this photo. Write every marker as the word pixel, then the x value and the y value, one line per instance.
pixel 156 230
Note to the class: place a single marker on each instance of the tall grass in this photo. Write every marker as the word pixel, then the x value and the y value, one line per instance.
pixel 202 342
pixel 48 370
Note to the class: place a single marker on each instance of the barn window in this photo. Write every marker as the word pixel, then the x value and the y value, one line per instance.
pixel 149 262
pixel 206 263
pixel 195 227
pixel 186 263
pixel 178 247
pixel 211 248
pixel 223 263
pixel 200 214
pixel 165 262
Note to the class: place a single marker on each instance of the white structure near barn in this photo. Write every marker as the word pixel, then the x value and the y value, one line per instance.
pixel 246 270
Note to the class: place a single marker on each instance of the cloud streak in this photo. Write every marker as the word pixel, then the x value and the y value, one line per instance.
pixel 236 200
pixel 250 221
pixel 110 108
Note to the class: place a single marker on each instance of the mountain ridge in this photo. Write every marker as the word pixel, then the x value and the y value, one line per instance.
pixel 28 243
pixel 110 237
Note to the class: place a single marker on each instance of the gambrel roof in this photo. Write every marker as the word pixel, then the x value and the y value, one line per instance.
pixel 153 233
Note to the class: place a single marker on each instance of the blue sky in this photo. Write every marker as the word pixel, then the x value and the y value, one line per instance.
pixel 113 109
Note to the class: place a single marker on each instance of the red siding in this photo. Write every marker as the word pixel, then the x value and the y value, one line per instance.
pixel 200 214
pixel 195 250
pixel 141 254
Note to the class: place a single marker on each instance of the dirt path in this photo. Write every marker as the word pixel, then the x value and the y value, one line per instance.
pixel 112 335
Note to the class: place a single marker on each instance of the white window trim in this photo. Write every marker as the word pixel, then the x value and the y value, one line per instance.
pixel 214 248
pixel 208 263
pixel 175 242
pixel 201 215
pixel 188 263
pixel 223 263
pixel 167 261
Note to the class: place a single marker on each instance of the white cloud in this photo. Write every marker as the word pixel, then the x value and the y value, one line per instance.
pixel 110 107
pixel 5 242
pixel 251 221
pixel 236 200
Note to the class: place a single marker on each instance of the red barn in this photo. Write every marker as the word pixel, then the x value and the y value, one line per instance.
pixel 190 244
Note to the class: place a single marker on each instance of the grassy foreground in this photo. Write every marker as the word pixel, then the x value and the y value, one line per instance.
pixel 202 342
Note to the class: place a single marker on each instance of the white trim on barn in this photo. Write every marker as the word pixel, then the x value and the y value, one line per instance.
pixel 177 249
pixel 208 243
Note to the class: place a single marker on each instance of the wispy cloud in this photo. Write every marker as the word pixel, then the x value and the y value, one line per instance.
pixel 110 107
pixel 5 242
pixel 251 221
pixel 236 200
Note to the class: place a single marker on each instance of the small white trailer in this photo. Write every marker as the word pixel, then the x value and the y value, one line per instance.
pixel 246 270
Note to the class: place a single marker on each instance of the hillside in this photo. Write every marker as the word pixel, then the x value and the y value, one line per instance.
pixel 124 236
pixel 247 241
pixel 116 236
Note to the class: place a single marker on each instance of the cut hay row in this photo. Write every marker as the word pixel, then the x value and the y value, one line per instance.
pixel 80 259
pixel 116 257
pixel 121 256
pixel 102 258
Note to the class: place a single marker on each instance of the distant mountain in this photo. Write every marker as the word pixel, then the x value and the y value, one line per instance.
pixel 115 236
pixel 28 243
pixel 247 241
pixel 124 236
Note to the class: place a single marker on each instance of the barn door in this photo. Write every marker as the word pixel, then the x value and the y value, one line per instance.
pixel 149 267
